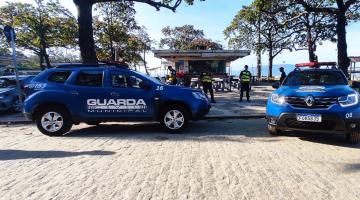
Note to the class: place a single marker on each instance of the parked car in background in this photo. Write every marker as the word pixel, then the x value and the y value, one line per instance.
pixel 9 95
pixel 315 100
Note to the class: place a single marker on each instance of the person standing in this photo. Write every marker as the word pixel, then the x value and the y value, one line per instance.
pixel 283 75
pixel 172 78
pixel 245 78
pixel 206 80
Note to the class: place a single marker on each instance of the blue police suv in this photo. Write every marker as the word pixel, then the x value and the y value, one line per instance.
pixel 315 100
pixel 60 97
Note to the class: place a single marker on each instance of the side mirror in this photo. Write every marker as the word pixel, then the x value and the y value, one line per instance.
pixel 276 85
pixel 144 85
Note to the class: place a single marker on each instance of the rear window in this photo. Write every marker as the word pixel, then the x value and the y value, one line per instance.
pixel 90 78
pixel 316 78
pixel 59 77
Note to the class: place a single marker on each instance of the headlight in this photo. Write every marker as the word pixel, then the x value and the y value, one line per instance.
pixel 277 99
pixel 349 100
pixel 199 95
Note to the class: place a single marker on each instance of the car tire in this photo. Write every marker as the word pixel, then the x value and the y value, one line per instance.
pixel 273 131
pixel 353 138
pixel 16 106
pixel 53 121
pixel 174 118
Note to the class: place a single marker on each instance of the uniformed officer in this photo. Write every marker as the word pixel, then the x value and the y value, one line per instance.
pixel 283 75
pixel 245 78
pixel 173 80
pixel 206 80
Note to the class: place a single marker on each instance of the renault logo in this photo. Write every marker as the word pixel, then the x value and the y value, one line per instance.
pixel 309 100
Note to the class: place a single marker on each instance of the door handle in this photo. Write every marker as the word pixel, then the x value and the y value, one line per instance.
pixel 114 94
pixel 74 93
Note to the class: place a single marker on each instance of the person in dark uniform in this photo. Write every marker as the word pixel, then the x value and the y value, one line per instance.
pixel 283 75
pixel 173 80
pixel 206 80
pixel 245 78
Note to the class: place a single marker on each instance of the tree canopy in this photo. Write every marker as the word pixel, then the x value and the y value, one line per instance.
pixel 41 26
pixel 187 38
pixel 85 21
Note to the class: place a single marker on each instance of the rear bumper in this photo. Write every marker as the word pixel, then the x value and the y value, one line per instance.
pixel 331 123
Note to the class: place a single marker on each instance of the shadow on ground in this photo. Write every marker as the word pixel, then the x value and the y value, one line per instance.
pixel 242 131
pixel 324 138
pixel 8 154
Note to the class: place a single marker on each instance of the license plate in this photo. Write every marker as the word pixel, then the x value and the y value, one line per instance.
pixel 309 118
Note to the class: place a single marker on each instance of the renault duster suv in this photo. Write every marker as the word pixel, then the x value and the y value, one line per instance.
pixel 315 100
pixel 60 97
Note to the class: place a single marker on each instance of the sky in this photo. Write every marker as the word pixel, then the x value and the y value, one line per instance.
pixel 213 16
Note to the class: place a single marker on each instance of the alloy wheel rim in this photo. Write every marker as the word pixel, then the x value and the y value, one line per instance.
pixel 174 119
pixel 52 121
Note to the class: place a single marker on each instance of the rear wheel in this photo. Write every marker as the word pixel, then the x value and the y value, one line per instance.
pixel 53 121
pixel 354 137
pixel 174 118
pixel 273 130
pixel 16 106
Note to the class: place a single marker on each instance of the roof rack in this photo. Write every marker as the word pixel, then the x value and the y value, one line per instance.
pixel 317 65
pixel 100 64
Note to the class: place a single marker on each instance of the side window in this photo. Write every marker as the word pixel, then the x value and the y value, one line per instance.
pixel 123 80
pixel 90 78
pixel 59 77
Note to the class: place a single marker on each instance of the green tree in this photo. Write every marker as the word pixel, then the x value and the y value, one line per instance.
pixel 272 34
pixel 86 39
pixel 39 27
pixel 114 23
pixel 344 12
pixel 186 38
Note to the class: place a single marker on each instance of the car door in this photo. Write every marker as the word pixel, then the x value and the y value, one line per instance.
pixel 88 94
pixel 128 99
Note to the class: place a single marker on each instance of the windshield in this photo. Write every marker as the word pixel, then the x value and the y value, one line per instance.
pixel 155 80
pixel 316 78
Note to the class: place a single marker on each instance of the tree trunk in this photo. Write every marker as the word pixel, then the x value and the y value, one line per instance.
pixel 271 59
pixel 146 69
pixel 258 51
pixel 41 61
pixel 343 59
pixel 86 39
pixel 311 45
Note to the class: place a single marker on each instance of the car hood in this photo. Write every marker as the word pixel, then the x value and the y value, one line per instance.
pixel 321 91
pixel 180 88
pixel 5 90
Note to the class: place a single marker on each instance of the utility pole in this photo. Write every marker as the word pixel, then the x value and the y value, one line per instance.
pixel 10 37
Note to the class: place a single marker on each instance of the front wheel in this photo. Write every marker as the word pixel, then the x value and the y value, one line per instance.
pixel 354 137
pixel 174 119
pixel 53 121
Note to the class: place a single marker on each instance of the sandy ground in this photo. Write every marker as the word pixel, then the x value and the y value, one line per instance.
pixel 233 159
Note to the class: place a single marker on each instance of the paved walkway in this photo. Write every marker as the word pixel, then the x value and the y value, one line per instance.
pixel 227 106
pixel 214 159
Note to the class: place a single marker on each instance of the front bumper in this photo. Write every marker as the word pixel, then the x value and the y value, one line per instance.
pixel 331 123
pixel 201 112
